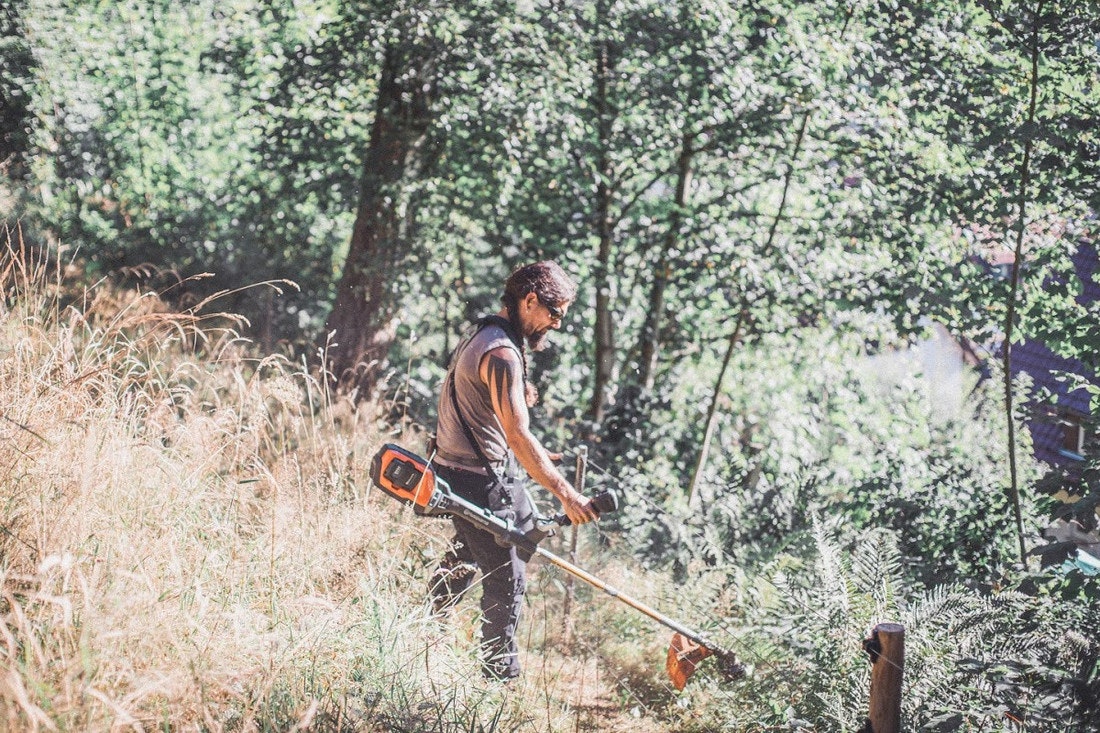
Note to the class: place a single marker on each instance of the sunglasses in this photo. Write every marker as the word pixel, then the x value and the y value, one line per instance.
pixel 556 313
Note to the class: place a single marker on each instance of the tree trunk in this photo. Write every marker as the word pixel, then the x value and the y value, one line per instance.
pixel 17 67
pixel 694 499
pixel 1013 489
pixel 649 347
pixel 360 329
pixel 604 341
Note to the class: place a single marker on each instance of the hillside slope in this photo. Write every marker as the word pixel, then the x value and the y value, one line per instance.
pixel 190 542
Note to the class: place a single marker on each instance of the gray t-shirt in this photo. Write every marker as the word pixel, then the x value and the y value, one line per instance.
pixel 476 405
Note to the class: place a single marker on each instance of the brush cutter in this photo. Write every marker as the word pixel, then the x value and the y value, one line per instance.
pixel 410 479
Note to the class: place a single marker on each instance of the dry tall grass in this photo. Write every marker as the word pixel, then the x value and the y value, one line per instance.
pixel 188 541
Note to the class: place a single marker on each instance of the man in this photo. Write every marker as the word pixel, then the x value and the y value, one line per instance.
pixel 483 430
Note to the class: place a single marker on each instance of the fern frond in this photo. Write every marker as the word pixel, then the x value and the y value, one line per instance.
pixel 876 569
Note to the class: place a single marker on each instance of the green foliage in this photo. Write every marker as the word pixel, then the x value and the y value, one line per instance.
pixel 155 152
pixel 1021 660
pixel 820 426
pixel 991 102
pixel 1012 659
pixel 16 86
pixel 817 182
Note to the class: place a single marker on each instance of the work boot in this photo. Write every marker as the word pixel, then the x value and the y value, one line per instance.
pixel 498 671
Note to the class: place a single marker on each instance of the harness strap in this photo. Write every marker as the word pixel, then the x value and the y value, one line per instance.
pixel 493 320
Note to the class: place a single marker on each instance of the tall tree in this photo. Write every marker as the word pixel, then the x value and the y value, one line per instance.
pixel 604 343
pixel 16 80
pixel 1006 92
pixel 766 289
pixel 436 79
pixel 360 326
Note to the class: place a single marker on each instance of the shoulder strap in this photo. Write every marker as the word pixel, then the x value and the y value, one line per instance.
pixel 470 433
pixel 493 320
pixel 505 325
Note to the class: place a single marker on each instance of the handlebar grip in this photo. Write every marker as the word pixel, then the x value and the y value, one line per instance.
pixel 603 502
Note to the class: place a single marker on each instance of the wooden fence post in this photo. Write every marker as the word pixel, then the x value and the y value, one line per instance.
pixel 886 646
pixel 567 607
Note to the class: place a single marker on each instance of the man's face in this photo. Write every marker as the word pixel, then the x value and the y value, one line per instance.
pixel 538 318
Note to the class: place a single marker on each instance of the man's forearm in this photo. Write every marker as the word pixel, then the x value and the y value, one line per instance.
pixel 534 459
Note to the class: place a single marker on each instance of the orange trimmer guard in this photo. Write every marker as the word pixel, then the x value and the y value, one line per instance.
pixel 684 656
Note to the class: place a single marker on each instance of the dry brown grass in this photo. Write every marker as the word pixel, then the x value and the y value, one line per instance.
pixel 188 542
pixel 187 538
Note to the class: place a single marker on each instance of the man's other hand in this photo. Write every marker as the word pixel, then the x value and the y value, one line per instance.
pixel 579 508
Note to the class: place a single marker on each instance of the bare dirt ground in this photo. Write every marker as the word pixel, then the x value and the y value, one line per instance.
pixel 589 695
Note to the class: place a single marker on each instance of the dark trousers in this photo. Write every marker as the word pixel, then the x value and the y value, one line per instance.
pixel 503 568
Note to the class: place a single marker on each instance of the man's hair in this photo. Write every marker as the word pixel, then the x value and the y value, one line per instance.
pixel 546 279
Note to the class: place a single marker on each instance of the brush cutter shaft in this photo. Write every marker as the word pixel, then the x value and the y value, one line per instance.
pixel 445 501
pixel 632 602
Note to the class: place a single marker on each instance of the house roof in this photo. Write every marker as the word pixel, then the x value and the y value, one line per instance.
pixel 1046 369
pixel 1086 262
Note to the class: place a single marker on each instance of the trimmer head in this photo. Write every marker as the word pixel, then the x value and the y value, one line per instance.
pixel 729 666
pixel 685 655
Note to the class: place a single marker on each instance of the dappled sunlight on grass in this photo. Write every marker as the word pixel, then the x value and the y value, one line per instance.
pixel 189 540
